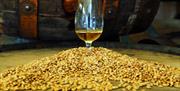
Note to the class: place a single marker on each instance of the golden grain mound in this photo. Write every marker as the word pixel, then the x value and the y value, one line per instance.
pixel 95 69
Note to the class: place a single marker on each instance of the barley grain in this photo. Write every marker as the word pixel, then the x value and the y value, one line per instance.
pixel 77 69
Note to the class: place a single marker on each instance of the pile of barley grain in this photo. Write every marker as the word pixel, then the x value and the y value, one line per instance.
pixel 98 69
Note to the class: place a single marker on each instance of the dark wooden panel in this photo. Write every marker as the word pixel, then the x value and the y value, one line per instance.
pixel 8 4
pixel 51 7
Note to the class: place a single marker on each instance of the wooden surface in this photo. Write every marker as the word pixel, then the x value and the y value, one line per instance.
pixel 14 58
pixel 28 18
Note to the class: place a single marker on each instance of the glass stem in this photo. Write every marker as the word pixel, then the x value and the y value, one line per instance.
pixel 88 44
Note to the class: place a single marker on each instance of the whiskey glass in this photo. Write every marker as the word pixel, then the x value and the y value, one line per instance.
pixel 89 20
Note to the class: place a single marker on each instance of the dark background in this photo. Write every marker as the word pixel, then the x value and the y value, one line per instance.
pixel 164 30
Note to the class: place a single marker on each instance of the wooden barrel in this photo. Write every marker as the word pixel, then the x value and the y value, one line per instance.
pixel 121 17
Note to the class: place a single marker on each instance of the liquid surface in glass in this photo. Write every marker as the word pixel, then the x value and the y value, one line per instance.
pixel 89 36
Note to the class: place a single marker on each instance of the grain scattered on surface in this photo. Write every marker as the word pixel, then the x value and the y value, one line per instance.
pixel 95 69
